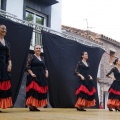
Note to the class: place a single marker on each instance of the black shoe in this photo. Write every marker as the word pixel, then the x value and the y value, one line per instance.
pixel 0 111
pixel 110 109
pixel 116 109
pixel 46 106
pixel 80 109
pixel 31 109
pixel 83 109
pixel 36 109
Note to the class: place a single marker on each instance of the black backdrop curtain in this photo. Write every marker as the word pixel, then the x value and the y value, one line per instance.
pixel 19 37
pixel 61 57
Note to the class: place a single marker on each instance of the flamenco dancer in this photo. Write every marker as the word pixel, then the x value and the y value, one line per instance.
pixel 5 68
pixel 86 90
pixel 36 87
pixel 114 90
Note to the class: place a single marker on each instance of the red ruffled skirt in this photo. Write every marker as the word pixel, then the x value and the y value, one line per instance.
pixel 36 95
pixel 114 94
pixel 5 94
pixel 86 94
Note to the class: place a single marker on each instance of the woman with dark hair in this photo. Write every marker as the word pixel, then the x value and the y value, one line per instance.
pixel 114 90
pixel 5 68
pixel 86 90
pixel 36 87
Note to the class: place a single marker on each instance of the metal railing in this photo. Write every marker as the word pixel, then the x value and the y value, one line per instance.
pixel 37 29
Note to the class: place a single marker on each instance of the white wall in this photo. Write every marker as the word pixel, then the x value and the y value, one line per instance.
pixel 0 4
pixel 56 16
pixel 106 99
pixel 99 71
pixel 98 88
pixel 15 7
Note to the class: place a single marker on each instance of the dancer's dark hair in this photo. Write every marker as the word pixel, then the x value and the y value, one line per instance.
pixel 115 62
pixel 82 54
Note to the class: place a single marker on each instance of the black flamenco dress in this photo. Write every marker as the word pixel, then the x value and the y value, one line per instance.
pixel 114 90
pixel 36 87
pixel 86 91
pixel 5 84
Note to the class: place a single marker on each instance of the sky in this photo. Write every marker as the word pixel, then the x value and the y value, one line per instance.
pixel 102 16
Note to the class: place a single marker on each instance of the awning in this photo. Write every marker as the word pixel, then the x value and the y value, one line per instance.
pixel 48 2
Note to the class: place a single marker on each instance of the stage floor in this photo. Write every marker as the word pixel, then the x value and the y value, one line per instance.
pixel 58 114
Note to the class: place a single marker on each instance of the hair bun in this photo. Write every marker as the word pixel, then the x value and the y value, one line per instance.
pixel 116 60
pixel 114 63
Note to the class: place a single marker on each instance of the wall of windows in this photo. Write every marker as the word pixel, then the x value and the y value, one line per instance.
pixel 37 18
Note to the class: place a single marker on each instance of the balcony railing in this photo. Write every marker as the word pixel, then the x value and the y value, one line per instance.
pixel 37 29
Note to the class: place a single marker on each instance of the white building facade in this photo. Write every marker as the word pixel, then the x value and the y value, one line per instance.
pixel 42 12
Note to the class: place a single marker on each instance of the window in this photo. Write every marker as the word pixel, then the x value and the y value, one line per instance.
pixel 29 16
pixel 112 56
pixel 38 18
